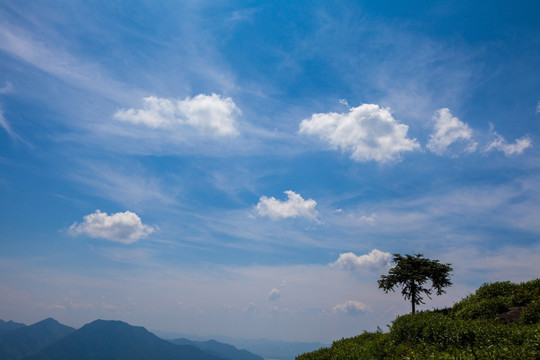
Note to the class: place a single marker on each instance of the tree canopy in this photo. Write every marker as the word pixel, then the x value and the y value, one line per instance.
pixel 411 274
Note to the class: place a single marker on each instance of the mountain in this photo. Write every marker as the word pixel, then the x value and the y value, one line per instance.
pixel 116 340
pixel 277 350
pixel 26 340
pixel 268 349
pixel 8 326
pixel 225 351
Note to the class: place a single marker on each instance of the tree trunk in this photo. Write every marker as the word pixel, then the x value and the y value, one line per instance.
pixel 413 297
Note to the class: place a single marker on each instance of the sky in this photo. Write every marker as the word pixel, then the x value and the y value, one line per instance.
pixel 248 168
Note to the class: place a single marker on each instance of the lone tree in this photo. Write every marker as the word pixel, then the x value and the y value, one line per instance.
pixel 411 273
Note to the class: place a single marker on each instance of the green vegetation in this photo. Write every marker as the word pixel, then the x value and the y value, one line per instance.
pixel 411 273
pixel 471 329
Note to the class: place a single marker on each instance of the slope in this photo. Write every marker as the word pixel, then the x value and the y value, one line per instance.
pixel 23 341
pixel 226 351
pixel 500 320
pixel 6 326
pixel 116 340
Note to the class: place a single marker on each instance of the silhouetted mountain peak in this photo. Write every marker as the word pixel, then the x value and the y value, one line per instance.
pixel 9 325
pixel 112 339
pixel 23 341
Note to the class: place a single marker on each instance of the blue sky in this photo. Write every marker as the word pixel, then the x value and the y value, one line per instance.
pixel 247 168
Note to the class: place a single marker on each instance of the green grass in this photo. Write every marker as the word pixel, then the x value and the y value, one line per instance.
pixel 470 329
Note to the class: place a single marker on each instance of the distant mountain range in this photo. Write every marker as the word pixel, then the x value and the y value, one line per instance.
pixel 26 340
pixel 219 349
pixel 107 340
pixel 272 349
pixel 268 349
pixel 8 326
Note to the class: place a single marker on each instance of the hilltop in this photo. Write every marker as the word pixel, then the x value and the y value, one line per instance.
pixel 500 320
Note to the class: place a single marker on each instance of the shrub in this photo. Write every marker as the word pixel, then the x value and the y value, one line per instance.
pixel 496 289
pixel 531 313
pixel 526 293
pixel 487 308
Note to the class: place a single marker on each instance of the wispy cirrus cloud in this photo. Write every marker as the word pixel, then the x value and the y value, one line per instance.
pixel 5 124
pixel 123 227
pixel 368 132
pixel 49 57
pixel 127 185
pixel 448 131
pixel 209 114
pixel 294 206
pixel 7 89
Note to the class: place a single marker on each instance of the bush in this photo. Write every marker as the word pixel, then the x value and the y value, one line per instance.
pixel 321 354
pixel 487 308
pixel 531 313
pixel 496 289
pixel 526 293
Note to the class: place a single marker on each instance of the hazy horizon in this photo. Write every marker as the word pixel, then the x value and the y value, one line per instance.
pixel 248 168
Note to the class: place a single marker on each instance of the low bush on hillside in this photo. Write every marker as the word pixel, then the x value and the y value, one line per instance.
pixel 471 329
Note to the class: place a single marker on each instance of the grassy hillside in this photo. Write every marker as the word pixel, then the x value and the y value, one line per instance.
pixel 499 321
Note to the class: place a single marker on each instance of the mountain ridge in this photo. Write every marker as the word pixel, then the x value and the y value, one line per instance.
pixel 112 339
pixel 217 348
pixel 25 340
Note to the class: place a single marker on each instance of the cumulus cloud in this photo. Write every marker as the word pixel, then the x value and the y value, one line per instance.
pixel 209 114
pixel 124 227
pixel 295 206
pixel 449 130
pixel 274 294
pixel 500 143
pixel 350 307
pixel 376 259
pixel 368 132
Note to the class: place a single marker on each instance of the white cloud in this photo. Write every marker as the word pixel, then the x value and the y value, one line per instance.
pixel 124 227
pixel 368 219
pixel 54 60
pixel 538 108
pixel 376 259
pixel 5 124
pixel 8 88
pixel 350 307
pixel 295 206
pixel 344 102
pixel 209 114
pixel 449 130
pixel 368 132
pixel 500 143
pixel 274 294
